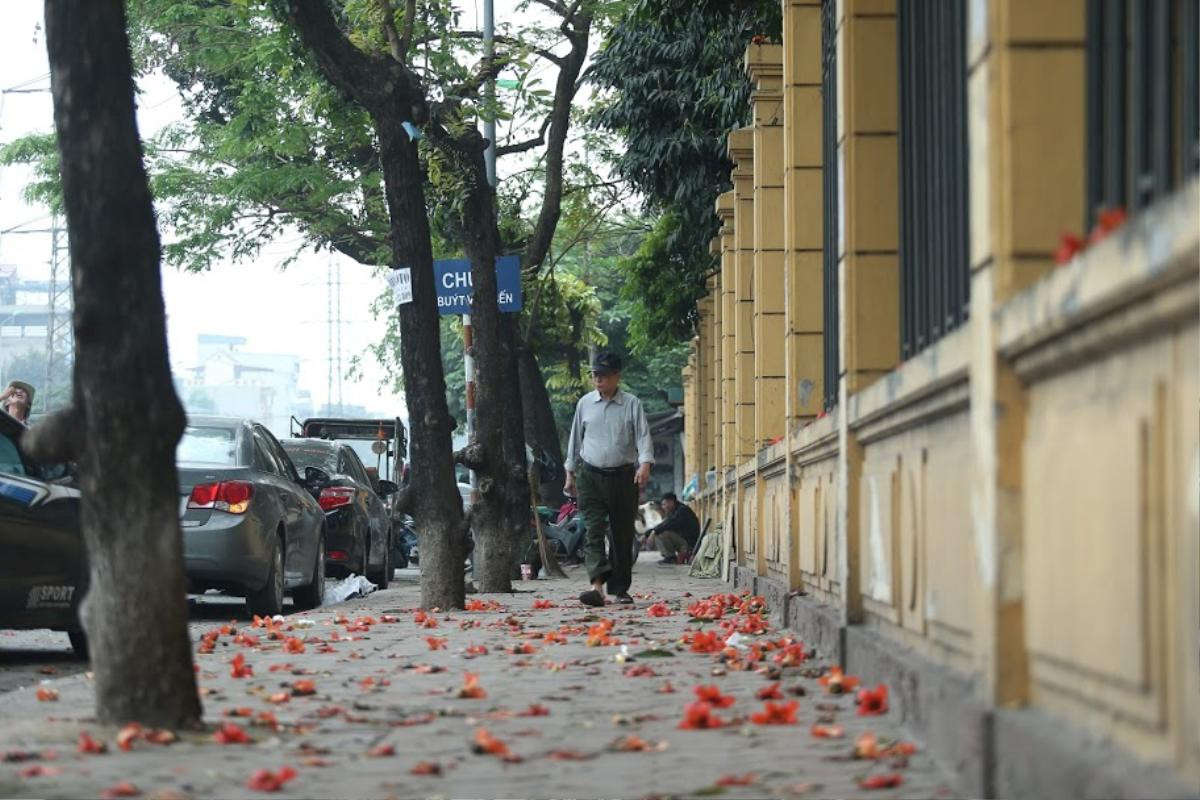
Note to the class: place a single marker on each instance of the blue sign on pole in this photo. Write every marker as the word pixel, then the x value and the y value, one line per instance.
pixel 454 288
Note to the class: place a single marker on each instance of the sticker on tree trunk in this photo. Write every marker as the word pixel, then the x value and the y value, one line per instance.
pixel 401 282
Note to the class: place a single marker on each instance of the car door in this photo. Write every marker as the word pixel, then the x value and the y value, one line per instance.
pixel 273 478
pixel 304 514
pixel 377 513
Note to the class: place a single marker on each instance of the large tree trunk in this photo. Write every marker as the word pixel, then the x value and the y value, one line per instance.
pixel 130 420
pixel 392 97
pixel 541 429
pixel 514 446
pixel 437 507
pixel 489 514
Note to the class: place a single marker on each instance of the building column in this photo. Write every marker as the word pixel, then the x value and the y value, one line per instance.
pixel 728 457
pixel 764 65
pixel 741 153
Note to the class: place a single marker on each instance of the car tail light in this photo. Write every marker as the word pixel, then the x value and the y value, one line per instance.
pixel 335 496
pixel 231 496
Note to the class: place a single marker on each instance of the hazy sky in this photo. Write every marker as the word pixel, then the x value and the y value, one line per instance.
pixel 278 312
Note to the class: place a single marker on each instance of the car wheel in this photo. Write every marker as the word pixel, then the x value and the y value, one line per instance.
pixel 313 595
pixel 79 644
pixel 384 576
pixel 268 601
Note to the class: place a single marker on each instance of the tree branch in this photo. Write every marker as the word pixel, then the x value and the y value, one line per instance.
pixel 396 46
pixel 528 144
pixel 509 41
pixel 410 18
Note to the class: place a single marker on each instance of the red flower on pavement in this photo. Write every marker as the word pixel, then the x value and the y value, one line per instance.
pixel 238 668
pixel 666 688
pixel 535 710
pixel 712 695
pixel 883 781
pixel 769 692
pixel 704 642
pixel 127 735
pixel 700 716
pixel 633 744
pixel 46 695
pixel 436 642
pixel 425 620
pixel 1068 246
pixel 872 702
pixel 304 688
pixel 791 655
pixel 382 751
pixel 266 719
pixel 776 713
pixel 836 682
pixel 485 743
pixel 827 731
pixel 522 649
pixel 293 645
pixel 279 697
pixel 1107 221
pixel 89 745
pixel 160 736
pixel 426 768
pixel 737 780
pixel 264 780
pixel 866 746
pixel 38 771
pixel 544 604
pixel 471 689
pixel 231 733
pixel 477 650
pixel 120 789
pixel 659 610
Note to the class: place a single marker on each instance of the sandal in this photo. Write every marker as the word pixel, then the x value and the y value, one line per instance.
pixel 591 598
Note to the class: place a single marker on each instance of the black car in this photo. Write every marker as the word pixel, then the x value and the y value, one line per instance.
pixel 43 570
pixel 251 524
pixel 358 525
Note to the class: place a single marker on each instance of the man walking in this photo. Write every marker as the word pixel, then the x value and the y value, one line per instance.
pixel 609 455
pixel 678 532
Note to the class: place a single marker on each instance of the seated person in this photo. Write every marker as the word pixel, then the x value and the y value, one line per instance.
pixel 678 532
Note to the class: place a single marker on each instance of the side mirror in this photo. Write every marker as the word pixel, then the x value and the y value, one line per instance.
pixel 385 488
pixel 315 477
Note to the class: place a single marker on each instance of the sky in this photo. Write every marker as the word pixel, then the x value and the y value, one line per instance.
pixel 276 311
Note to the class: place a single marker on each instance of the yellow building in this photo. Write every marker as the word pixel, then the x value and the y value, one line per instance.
pixel 952 454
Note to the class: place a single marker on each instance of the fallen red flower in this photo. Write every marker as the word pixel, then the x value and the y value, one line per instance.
pixel 535 710
pixel 704 642
pixel 666 688
pixel 1068 246
pixel 471 689
pixel 885 781
pixel 791 655
pixel 640 671
pixel 45 695
pixel 38 771
pixel 278 697
pixel 737 780
pixel 266 719
pixel 304 688
pixel 382 751
pixel 836 682
pixel 426 768
pixel 776 713
pixel 769 692
pixel 487 744
pixel 160 736
pixel 246 640
pixel 872 702
pixel 127 735
pixel 659 609
pixel 699 716
pixel 120 789
pixel 569 755
pixel 231 733
pixel 89 745
pixel 264 780
pixel 435 642
pixel 544 604
pixel 293 645
pixel 712 695
pixel 238 668
pixel 828 731
pixel 477 650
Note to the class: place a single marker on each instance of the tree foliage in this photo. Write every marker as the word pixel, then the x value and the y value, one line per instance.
pixel 671 86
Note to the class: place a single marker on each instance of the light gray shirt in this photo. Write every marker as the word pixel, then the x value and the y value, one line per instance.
pixel 609 433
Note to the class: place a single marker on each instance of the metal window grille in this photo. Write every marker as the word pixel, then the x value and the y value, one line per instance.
pixel 1143 94
pixel 829 197
pixel 934 221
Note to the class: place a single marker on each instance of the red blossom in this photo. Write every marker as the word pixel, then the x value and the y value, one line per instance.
pixel 382 751
pixel 828 731
pixel 231 733
pixel 471 688
pixel 535 710
pixel 264 780
pixel 238 668
pixel 46 695
pixel 769 692
pixel 712 695
pixel 737 780
pixel 659 610
pixel 426 768
pixel 304 688
pixel 544 604
pixel 700 716
pixel 776 713
pixel 486 744
pixel 293 645
pixel 884 781
pixel 835 682
pixel 872 702
pixel 1068 246
pixel 89 745
pixel 120 789
pixel 436 642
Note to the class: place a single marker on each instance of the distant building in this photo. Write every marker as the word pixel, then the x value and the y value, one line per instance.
pixel 231 381
pixel 24 315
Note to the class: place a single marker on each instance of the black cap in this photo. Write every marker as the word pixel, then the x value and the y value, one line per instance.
pixel 606 362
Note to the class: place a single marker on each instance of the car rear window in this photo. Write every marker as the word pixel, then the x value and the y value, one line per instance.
pixel 202 445
pixel 307 456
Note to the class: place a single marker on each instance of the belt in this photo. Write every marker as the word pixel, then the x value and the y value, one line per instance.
pixel 609 470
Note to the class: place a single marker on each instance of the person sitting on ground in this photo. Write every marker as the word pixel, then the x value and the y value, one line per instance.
pixel 17 399
pixel 678 532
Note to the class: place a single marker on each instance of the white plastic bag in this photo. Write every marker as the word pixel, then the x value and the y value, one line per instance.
pixel 353 586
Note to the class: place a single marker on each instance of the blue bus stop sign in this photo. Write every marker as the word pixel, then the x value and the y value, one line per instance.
pixel 452 277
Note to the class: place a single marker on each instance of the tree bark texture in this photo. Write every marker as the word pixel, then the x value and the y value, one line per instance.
pixel 541 429
pixel 519 499
pixel 390 94
pixel 135 613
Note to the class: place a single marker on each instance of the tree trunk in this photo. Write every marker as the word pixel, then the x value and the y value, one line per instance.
pixel 135 612
pixel 441 529
pixel 489 514
pixel 514 446
pixel 541 429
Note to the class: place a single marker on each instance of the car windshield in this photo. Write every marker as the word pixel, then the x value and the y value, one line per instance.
pixel 10 457
pixel 203 445
pixel 303 455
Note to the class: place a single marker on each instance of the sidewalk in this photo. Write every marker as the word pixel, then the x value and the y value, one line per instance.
pixel 559 709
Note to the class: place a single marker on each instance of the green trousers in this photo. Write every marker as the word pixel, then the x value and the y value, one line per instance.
pixel 670 543
pixel 608 503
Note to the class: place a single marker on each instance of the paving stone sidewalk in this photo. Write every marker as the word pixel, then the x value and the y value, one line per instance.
pixel 385 705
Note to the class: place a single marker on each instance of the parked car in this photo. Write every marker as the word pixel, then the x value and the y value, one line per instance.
pixel 251 524
pixel 358 522
pixel 43 568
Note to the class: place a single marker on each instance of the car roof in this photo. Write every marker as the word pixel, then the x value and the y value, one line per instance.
pixel 316 444
pixel 212 421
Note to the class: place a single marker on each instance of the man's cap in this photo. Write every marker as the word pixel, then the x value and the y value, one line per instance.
pixel 25 387
pixel 606 362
